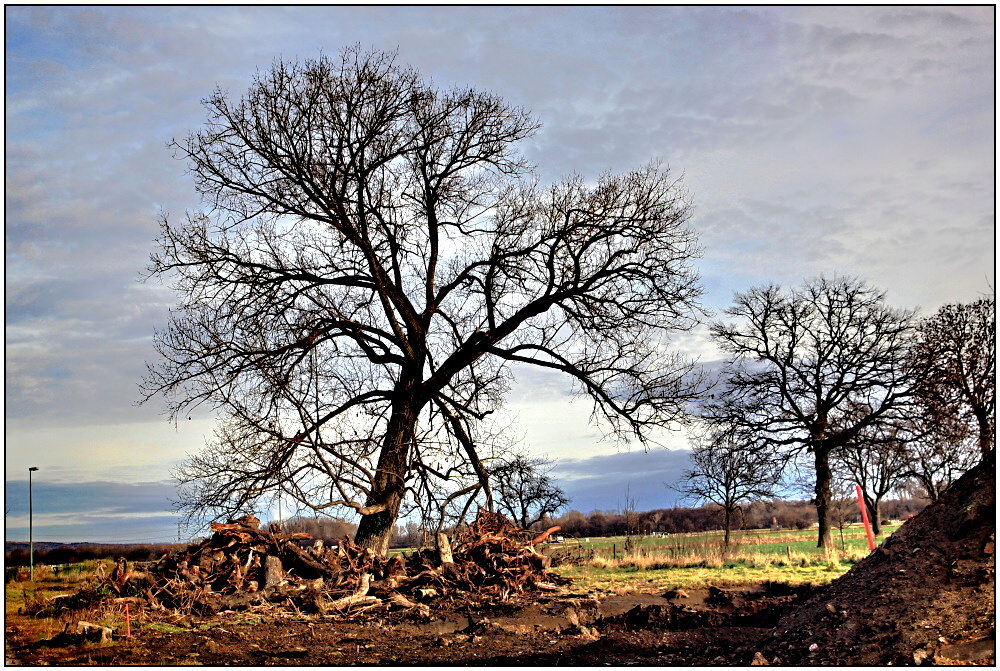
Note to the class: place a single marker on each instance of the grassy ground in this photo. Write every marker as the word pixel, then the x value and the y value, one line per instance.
pixel 37 596
pixel 621 565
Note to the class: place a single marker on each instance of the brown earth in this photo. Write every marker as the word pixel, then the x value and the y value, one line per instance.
pixel 926 596
pixel 563 629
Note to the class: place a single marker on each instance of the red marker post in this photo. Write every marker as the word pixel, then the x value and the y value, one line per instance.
pixel 864 518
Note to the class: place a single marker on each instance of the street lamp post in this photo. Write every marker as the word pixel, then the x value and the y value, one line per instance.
pixel 31 529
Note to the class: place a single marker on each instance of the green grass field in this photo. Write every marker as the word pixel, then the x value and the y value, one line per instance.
pixel 642 563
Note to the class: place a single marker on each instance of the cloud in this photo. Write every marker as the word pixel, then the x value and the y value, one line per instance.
pixel 99 511
pixel 609 481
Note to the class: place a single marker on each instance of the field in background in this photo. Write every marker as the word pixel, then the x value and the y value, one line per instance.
pixel 696 560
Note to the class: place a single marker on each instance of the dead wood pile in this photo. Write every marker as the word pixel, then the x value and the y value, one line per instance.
pixel 242 566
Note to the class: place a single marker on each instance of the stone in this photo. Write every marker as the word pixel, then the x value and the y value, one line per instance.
pixel 94 632
pixel 967 651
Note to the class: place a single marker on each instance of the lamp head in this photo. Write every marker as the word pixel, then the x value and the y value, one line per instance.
pixel 33 468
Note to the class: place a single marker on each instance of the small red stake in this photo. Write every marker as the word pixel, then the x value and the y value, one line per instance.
pixel 864 518
pixel 128 622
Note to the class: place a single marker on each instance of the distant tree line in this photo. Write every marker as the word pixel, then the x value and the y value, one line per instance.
pixel 71 554
pixel 779 514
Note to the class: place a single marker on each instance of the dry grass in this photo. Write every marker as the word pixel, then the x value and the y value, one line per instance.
pixel 42 608
pixel 714 556
pixel 700 560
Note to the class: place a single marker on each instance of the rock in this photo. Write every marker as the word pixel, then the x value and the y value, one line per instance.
pixel 675 594
pixel 759 660
pixel 94 632
pixel 968 651
pixel 207 645
pixel 584 632
pixel 919 656
pixel 572 616
pixel 830 607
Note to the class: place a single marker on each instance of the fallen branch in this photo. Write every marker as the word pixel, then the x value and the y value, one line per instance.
pixel 543 536
pixel 359 596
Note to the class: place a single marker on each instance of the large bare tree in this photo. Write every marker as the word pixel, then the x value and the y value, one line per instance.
pixel 956 352
pixel 729 474
pixel 372 257
pixel 801 364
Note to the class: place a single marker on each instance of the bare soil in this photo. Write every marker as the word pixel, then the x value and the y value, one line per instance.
pixel 564 629
pixel 927 596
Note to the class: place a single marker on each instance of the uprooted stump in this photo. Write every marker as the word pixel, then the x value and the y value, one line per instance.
pixel 241 566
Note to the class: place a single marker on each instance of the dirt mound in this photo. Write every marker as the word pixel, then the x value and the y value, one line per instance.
pixel 926 595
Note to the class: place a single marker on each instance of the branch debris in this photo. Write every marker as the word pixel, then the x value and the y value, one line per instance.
pixel 241 567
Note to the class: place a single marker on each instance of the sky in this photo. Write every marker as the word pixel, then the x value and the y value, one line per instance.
pixel 812 140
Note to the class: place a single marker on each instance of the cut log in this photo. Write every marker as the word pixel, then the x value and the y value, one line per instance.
pixel 273 572
pixel 360 596
pixel 444 549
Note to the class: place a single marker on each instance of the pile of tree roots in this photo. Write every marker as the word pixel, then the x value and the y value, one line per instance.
pixel 242 566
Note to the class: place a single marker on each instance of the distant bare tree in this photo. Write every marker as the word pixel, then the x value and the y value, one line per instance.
pixel 956 353
pixel 877 460
pixel 730 474
pixel 630 515
pixel 371 259
pixel 801 360
pixel 524 490
pixel 938 453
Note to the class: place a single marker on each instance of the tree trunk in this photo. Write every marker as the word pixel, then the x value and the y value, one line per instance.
pixel 873 514
pixel 824 476
pixel 375 529
pixel 985 431
pixel 728 513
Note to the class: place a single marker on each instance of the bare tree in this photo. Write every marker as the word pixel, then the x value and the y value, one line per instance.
pixel 956 353
pixel 372 258
pixel 729 474
pixel 938 453
pixel 877 460
pixel 843 507
pixel 524 490
pixel 630 516
pixel 801 360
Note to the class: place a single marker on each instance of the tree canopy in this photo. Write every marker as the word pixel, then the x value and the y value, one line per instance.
pixel 812 368
pixel 371 258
